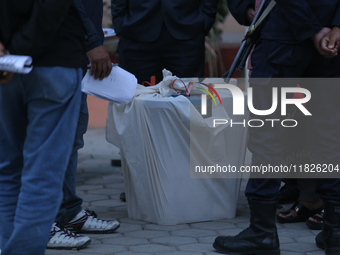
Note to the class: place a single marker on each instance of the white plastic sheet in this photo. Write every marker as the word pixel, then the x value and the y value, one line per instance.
pixel 153 134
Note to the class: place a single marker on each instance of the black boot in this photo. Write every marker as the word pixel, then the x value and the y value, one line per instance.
pixel 329 238
pixel 260 238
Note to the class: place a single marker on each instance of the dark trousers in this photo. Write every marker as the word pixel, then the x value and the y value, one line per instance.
pixel 306 188
pixel 271 59
pixel 184 58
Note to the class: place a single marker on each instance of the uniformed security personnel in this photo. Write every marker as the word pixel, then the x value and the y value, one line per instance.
pixel 298 39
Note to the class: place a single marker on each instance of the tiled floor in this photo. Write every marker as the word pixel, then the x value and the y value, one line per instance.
pixel 100 184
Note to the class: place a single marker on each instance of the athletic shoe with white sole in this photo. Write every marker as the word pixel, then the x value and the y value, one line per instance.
pixel 87 222
pixel 61 238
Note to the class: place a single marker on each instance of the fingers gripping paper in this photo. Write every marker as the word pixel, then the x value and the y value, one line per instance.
pixel 118 87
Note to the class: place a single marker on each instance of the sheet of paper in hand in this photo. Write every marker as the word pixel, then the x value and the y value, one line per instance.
pixel 118 87
pixel 16 64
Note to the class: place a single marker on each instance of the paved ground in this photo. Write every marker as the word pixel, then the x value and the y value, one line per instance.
pixel 100 184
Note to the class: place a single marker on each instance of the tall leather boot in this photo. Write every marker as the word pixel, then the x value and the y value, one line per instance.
pixel 260 238
pixel 329 238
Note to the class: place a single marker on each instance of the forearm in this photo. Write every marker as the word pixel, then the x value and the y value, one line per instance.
pixel 93 39
pixel 209 8
pixel 336 19
pixel 118 11
pixel 304 24
pixel 239 8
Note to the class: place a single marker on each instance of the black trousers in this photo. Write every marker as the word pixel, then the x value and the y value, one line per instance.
pixel 306 188
pixel 270 60
pixel 184 58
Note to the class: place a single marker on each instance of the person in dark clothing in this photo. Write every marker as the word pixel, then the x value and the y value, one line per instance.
pixel 38 118
pixel 299 191
pixel 298 39
pixel 162 34
pixel 71 215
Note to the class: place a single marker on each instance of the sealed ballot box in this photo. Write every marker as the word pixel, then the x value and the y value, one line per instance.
pixel 166 145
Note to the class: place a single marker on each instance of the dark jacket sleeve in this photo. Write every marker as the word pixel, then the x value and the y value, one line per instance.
pixel 298 14
pixel 336 19
pixel 238 8
pixel 118 11
pixel 93 39
pixel 209 8
pixel 39 32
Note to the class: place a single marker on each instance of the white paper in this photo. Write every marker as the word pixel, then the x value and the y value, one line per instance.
pixel 109 32
pixel 118 87
pixel 16 64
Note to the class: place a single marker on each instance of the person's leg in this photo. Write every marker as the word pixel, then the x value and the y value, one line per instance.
pixel 307 197
pixel 143 59
pixel 328 238
pixel 298 153
pixel 71 215
pixel 289 192
pixel 184 58
pixel 272 62
pixel 325 127
pixel 307 190
pixel 260 237
pixel 307 205
pixel 267 144
pixel 52 99
pixel 71 203
pixel 13 122
pixel 267 147
pixel 327 135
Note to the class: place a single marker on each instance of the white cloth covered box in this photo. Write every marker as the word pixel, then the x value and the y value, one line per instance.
pixel 153 134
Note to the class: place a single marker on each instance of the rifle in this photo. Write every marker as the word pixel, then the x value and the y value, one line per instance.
pixel 249 40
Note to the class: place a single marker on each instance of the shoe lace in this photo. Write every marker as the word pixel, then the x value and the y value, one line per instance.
pixel 91 213
pixel 92 218
pixel 64 232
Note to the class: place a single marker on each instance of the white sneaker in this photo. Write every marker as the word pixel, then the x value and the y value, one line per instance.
pixel 87 222
pixel 61 238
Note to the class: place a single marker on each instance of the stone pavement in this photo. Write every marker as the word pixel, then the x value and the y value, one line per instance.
pixel 100 184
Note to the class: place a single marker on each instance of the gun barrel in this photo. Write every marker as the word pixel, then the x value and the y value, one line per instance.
pixel 233 66
pixel 244 57
pixel 246 47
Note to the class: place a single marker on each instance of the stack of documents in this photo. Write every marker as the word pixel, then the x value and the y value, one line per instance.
pixel 118 87
pixel 16 64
